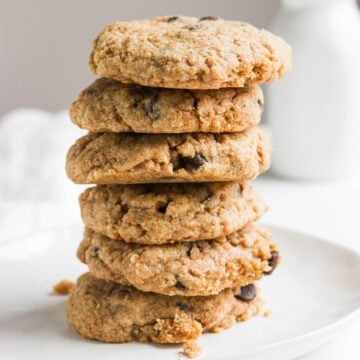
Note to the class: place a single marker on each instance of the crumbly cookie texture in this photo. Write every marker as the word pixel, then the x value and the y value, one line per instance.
pixel 191 349
pixel 168 213
pixel 126 158
pixel 188 269
pixel 106 311
pixel 189 53
pixel 110 106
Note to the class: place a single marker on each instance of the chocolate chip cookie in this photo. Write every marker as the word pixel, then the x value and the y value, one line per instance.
pixel 168 213
pixel 189 53
pixel 127 158
pixel 110 106
pixel 188 269
pixel 110 312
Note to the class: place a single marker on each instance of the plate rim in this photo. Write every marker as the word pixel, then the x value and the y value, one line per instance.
pixel 352 316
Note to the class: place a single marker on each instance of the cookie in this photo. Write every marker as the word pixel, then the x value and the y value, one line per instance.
pixel 187 269
pixel 168 213
pixel 106 311
pixel 110 106
pixel 127 158
pixel 189 53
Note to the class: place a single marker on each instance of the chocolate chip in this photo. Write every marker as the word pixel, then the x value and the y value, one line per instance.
pixel 272 261
pixel 162 208
pixel 135 104
pixel 261 104
pixel 274 258
pixel 183 307
pixel 179 285
pixel 194 163
pixel 247 293
pixel 208 195
pixel 152 108
pixel 208 18
pixel 190 245
pixel 90 91
pixel 94 251
pixel 195 104
pixel 172 18
pixel 124 208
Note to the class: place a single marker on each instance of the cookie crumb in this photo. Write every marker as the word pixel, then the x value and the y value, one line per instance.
pixel 191 349
pixel 64 287
pixel 266 313
pixel 217 330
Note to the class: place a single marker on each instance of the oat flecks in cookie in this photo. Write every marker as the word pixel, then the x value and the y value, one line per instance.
pixel 166 213
pixel 110 106
pixel 209 267
pixel 110 312
pixel 124 158
pixel 189 53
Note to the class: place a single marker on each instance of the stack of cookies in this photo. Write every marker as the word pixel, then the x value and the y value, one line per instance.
pixel 170 239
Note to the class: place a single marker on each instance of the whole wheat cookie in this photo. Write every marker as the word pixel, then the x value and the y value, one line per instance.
pixel 110 106
pixel 189 53
pixel 110 312
pixel 187 269
pixel 127 158
pixel 168 213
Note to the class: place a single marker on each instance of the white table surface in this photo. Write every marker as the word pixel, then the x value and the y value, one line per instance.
pixel 327 210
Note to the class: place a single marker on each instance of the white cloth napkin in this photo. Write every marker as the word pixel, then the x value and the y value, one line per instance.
pixel 33 147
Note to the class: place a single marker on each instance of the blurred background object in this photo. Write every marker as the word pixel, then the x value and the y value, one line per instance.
pixel 33 144
pixel 314 113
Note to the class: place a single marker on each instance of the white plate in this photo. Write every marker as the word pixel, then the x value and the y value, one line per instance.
pixel 312 295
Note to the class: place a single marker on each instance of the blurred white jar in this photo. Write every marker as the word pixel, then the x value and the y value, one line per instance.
pixel 314 113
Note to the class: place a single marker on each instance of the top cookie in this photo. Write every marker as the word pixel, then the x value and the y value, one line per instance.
pixel 189 53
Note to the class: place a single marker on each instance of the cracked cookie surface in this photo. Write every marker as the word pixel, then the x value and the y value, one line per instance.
pixel 167 213
pixel 110 106
pixel 189 53
pixel 127 158
pixel 110 312
pixel 187 269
